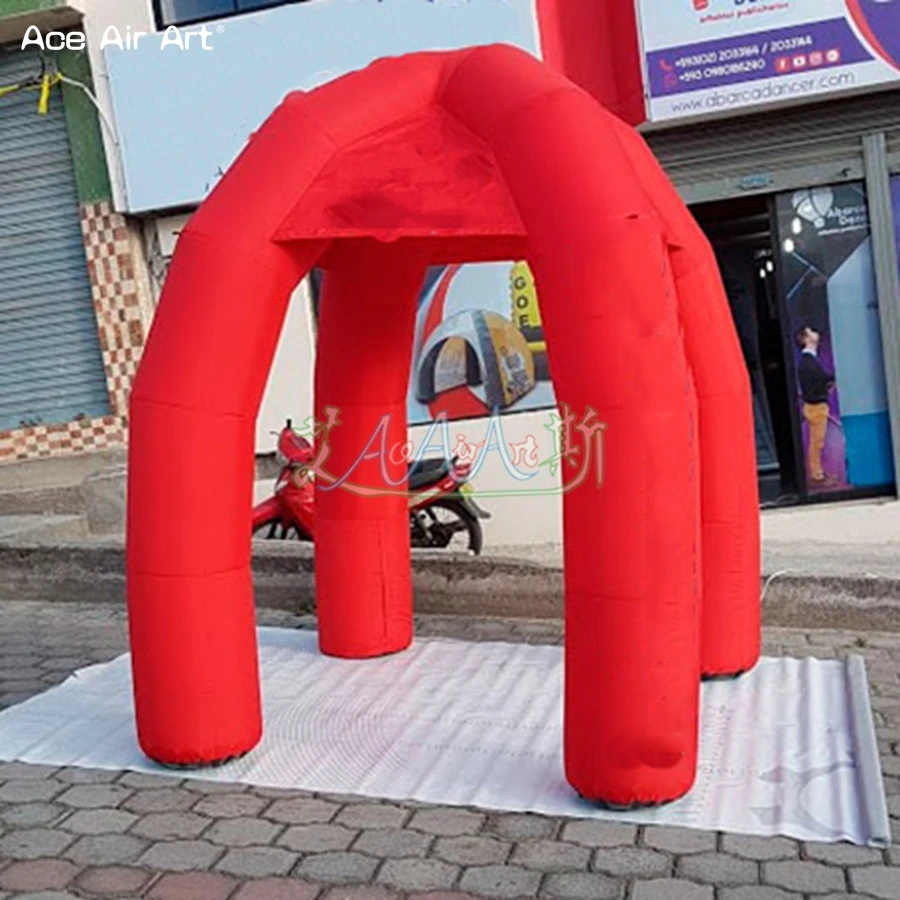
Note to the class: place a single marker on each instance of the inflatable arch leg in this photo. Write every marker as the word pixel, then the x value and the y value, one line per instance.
pixel 363 568
pixel 190 486
pixel 614 340
pixel 731 619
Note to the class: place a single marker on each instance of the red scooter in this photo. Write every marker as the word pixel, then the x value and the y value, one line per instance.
pixel 442 512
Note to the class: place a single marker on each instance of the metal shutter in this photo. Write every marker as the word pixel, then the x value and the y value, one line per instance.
pixel 776 150
pixel 51 369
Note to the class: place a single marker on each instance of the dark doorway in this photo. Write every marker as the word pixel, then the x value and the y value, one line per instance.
pixel 741 233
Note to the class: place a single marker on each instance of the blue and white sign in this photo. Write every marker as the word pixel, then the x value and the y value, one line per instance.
pixel 709 56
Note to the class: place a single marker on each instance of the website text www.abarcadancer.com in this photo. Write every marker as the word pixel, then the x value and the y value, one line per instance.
pixel 762 92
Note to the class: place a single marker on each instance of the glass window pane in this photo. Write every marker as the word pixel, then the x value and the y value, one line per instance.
pixel 258 4
pixel 831 303
pixel 177 11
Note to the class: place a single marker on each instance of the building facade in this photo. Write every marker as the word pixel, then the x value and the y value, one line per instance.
pixel 780 125
pixel 74 299
pixel 779 122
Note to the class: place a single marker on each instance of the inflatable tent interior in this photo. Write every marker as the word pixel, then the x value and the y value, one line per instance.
pixel 440 158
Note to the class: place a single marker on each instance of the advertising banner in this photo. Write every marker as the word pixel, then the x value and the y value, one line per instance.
pixel 834 336
pixel 479 344
pixel 709 56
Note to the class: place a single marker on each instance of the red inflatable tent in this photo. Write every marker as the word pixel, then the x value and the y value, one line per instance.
pixel 435 158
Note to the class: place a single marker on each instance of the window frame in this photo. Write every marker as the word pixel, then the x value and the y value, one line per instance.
pixel 162 24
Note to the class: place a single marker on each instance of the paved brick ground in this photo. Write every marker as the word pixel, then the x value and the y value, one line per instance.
pixel 74 833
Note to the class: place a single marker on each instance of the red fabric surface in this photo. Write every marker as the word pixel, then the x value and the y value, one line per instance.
pixel 363 567
pixel 596 45
pixel 731 624
pixel 635 320
pixel 424 177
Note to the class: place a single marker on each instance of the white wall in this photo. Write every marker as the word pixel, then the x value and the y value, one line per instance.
pixel 289 392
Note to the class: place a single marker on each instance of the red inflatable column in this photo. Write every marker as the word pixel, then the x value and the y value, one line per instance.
pixel 608 300
pixel 366 325
pixel 191 451
pixel 731 629
pixel 731 618
pixel 632 564
pixel 190 492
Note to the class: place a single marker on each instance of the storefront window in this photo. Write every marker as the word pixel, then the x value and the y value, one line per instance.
pixel 833 333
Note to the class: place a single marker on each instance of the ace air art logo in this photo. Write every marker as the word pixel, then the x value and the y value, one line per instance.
pixel 172 37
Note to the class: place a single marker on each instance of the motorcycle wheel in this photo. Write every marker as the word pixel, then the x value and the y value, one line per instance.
pixel 445 520
pixel 275 530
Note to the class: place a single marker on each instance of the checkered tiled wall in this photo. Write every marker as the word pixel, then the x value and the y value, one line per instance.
pixel 60 440
pixel 112 262
pixel 123 309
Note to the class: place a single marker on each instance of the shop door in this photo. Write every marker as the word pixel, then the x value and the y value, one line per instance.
pixel 741 234
pixel 51 369
pixel 799 274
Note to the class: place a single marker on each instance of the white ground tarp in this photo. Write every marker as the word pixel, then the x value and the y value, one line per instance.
pixel 787 749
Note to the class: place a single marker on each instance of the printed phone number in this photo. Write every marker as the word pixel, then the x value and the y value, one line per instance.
pixel 744 52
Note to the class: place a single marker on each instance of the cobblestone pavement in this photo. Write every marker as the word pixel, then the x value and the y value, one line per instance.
pixel 76 833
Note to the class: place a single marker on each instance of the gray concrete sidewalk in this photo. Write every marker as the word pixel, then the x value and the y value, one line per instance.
pixel 827 566
pixel 850 540
pixel 75 833
pixel 837 539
